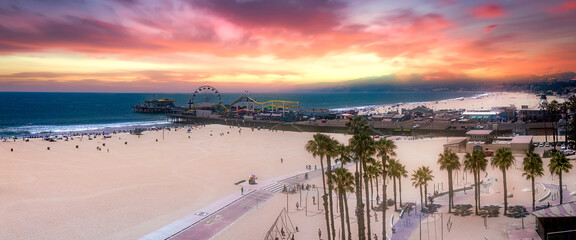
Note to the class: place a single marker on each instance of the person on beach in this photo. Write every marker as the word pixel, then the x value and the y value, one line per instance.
pixel 297 206
pixel 242 190
pixel 281 160
pixel 319 233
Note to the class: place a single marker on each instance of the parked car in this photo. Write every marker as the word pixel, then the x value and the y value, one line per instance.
pixel 541 144
pixel 569 152
pixel 547 144
pixel 563 147
pixel 535 144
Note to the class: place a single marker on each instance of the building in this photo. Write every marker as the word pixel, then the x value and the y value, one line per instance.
pixel 487 141
pixel 558 222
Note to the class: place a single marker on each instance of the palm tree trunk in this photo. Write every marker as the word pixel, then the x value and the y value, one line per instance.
pixel 426 194
pixel 359 203
pixel 475 192
pixel 347 218
pixel 395 206
pixel 560 179
pixel 479 191
pixel 450 191
pixel 400 190
pixel 384 202
pixel 533 196
pixel 505 192
pixel 329 163
pixel 367 202
pixel 371 194
pixel 377 192
pixel 324 198
pixel 421 201
pixel 342 214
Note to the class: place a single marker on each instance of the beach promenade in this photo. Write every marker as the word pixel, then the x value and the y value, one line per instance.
pixel 210 220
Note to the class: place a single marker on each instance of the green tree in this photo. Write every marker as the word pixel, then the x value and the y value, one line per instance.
pixel 532 168
pixel 402 174
pixel 362 145
pixel 344 182
pixel 449 161
pixel 503 159
pixel 420 178
pixel 385 149
pixel 394 173
pixel 322 146
pixel 475 163
pixel 558 164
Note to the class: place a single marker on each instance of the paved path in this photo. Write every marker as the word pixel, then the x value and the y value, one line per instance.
pixel 209 221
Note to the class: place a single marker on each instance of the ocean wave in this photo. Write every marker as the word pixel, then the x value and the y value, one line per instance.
pixel 40 129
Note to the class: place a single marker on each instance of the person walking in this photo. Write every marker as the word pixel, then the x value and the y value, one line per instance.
pixel 319 233
pixel 242 190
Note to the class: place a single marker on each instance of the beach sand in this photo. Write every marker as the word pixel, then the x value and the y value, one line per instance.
pixel 126 191
pixel 484 102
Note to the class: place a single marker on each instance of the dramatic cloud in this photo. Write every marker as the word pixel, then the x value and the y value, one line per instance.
pixel 489 10
pixel 564 7
pixel 103 44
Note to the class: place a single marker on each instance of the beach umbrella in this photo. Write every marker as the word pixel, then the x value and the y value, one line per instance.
pixel 252 176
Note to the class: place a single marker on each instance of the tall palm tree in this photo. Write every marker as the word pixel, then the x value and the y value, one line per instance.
pixel 558 164
pixel 402 173
pixel 331 151
pixel 426 177
pixel 362 145
pixel 449 161
pixel 377 165
pixel 394 172
pixel 532 168
pixel 475 163
pixel 343 154
pixel 320 147
pixel 385 149
pixel 420 178
pixel 552 109
pixel 503 159
pixel 372 172
pixel 344 182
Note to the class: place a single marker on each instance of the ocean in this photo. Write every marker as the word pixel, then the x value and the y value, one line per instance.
pixel 23 113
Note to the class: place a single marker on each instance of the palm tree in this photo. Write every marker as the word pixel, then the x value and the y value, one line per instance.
pixel 385 149
pixel 552 108
pixel 503 159
pixel 558 164
pixel 344 182
pixel 356 124
pixel 475 163
pixel 377 173
pixel 394 172
pixel 401 173
pixel 418 181
pixel 426 177
pixel 533 168
pixel 320 146
pixel 362 145
pixel 449 161
pixel 372 172
pixel 343 154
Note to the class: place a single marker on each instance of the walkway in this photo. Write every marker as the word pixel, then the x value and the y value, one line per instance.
pixel 209 221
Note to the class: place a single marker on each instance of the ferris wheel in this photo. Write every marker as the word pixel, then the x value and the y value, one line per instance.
pixel 205 97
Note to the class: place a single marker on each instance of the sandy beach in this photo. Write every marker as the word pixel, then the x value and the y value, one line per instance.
pixel 483 102
pixel 135 185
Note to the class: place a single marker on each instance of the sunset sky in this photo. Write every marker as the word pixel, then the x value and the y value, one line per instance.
pixel 277 45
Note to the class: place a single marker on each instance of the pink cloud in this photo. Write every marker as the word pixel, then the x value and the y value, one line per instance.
pixel 489 10
pixel 308 16
pixel 490 28
pixel 564 7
